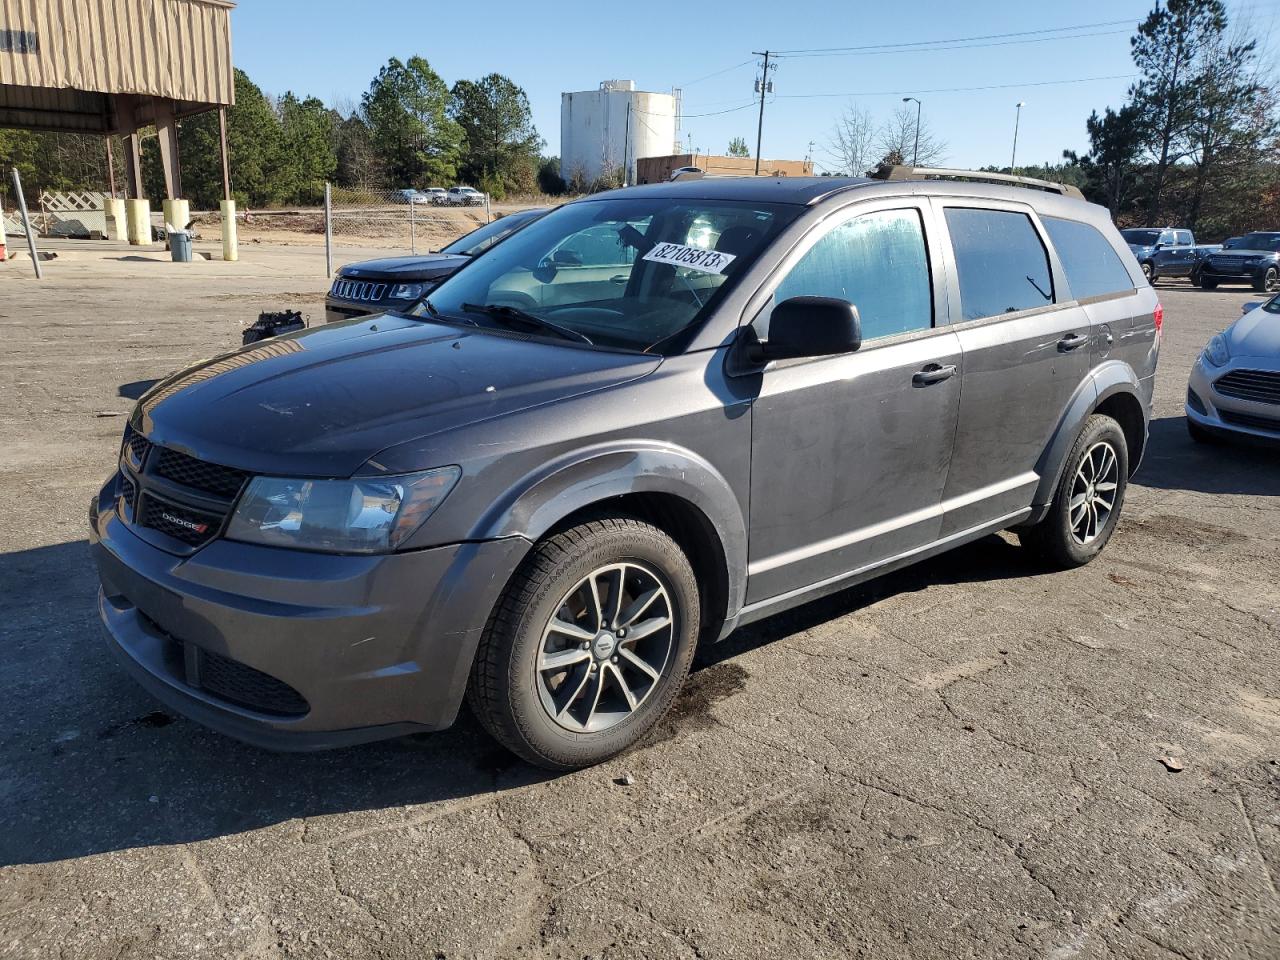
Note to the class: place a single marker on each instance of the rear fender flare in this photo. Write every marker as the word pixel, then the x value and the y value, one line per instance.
pixel 1106 380
pixel 592 477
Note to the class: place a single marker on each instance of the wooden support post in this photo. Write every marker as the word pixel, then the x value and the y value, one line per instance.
pixel 167 131
pixel 222 141
pixel 133 167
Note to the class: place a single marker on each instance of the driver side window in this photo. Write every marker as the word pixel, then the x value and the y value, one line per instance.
pixel 878 263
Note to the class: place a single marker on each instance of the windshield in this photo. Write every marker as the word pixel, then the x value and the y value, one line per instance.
pixel 478 241
pixel 1143 238
pixel 628 273
pixel 1258 241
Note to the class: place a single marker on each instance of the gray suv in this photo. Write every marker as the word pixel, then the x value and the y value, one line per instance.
pixel 646 419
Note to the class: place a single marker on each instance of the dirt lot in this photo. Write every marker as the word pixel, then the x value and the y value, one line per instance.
pixel 961 760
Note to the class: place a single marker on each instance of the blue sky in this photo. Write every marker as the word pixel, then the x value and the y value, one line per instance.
pixel 332 50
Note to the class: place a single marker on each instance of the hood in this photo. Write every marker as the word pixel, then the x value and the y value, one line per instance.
pixel 1256 334
pixel 429 266
pixel 323 401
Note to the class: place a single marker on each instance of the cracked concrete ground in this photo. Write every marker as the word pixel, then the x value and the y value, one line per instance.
pixel 959 760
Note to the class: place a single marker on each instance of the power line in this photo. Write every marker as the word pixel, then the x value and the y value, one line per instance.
pixel 987 36
pixel 954 46
pixel 718 73
pixel 994 86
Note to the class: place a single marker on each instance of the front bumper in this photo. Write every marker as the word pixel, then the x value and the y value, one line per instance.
pixel 1250 275
pixel 372 646
pixel 1217 413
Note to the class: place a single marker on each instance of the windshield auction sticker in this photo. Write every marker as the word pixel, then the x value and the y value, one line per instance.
pixel 695 258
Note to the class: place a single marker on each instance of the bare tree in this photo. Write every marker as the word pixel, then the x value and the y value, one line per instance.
pixel 853 139
pixel 896 140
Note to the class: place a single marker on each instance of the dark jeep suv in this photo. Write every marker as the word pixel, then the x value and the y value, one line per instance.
pixel 650 417
pixel 395 283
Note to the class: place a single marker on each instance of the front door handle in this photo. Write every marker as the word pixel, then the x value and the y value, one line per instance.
pixel 1072 341
pixel 934 373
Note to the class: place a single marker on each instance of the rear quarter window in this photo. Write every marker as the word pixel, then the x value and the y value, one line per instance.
pixel 1092 266
pixel 1001 263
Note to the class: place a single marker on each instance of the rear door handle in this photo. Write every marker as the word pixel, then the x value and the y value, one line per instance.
pixel 934 373
pixel 1072 341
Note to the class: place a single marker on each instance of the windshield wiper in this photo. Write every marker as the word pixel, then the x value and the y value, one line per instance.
pixel 437 315
pixel 502 311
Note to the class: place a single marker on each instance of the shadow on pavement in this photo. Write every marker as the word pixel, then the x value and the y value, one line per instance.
pixel 1174 461
pixel 135 389
pixel 92 764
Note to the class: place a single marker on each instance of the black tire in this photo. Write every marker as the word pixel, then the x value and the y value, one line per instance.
pixel 1149 272
pixel 1207 284
pixel 1199 434
pixel 506 689
pixel 1054 538
pixel 1269 282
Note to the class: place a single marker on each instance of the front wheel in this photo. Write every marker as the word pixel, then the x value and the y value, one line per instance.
pixel 1269 282
pixel 1207 284
pixel 1149 272
pixel 589 644
pixel 1086 506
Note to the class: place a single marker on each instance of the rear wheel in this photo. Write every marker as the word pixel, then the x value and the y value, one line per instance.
pixel 1149 272
pixel 1086 506
pixel 589 644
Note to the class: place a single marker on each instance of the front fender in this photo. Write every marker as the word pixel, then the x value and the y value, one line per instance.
pixel 588 477
pixel 1106 380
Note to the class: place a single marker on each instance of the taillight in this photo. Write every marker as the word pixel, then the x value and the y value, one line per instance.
pixel 1158 315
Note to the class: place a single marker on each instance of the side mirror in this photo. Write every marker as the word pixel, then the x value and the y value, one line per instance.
pixel 811 327
pixel 1251 305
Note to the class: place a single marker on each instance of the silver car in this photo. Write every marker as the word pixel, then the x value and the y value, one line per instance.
pixel 1235 383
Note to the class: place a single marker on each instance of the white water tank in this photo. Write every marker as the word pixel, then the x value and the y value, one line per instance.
pixel 604 130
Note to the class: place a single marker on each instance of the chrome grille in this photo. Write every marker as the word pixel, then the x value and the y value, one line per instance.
pixel 1259 386
pixel 363 290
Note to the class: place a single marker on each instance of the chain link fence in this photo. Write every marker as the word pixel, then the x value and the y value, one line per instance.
pixel 408 220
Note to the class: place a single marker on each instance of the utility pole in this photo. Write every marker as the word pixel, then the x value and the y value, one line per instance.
pixel 915 153
pixel 1016 121
pixel 764 85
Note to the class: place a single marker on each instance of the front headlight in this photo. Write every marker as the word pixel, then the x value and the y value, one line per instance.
pixel 408 291
pixel 1216 352
pixel 365 515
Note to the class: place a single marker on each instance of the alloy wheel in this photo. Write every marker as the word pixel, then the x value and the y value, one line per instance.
pixel 1093 492
pixel 603 652
pixel 1271 283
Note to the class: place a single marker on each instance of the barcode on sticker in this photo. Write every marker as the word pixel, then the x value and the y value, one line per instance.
pixel 695 258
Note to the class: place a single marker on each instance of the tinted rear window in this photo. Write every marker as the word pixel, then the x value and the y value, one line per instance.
pixel 1002 265
pixel 1093 268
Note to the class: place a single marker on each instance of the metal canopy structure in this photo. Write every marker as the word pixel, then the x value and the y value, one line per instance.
pixel 113 67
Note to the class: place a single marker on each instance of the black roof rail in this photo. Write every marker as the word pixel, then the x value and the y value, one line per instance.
pixel 889 171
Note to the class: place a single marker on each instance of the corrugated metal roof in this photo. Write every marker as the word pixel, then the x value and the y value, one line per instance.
pixel 177 49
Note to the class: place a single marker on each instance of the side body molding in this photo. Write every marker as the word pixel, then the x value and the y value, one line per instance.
pixel 585 477
pixel 1103 382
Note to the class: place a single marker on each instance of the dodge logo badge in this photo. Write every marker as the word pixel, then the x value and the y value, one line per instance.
pixel 185 524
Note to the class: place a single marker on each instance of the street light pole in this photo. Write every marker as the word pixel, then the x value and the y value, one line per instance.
pixel 1016 121
pixel 915 153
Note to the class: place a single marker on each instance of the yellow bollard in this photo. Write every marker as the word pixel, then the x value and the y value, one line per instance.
pixel 117 226
pixel 230 247
pixel 176 213
pixel 139 220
